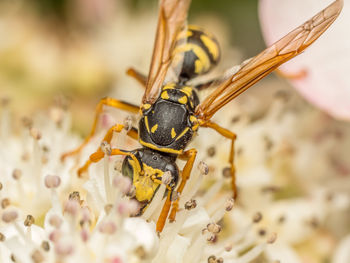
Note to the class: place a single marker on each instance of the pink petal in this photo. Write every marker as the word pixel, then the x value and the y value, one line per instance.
pixel 327 61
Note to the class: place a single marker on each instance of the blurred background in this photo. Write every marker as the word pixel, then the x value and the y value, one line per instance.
pixel 79 50
pixel 71 53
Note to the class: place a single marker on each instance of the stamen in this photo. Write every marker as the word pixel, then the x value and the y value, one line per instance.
pixel 106 148
pixel 28 223
pixel 257 217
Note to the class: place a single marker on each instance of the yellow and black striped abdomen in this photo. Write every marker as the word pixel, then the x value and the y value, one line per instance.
pixel 196 53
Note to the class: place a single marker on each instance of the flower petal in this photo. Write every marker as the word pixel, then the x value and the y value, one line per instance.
pixel 327 83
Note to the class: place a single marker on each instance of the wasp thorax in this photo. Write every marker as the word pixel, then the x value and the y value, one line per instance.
pixel 196 53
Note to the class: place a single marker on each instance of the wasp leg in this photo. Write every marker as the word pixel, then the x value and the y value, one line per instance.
pixel 164 213
pixel 99 154
pixel 190 156
pixel 230 135
pixel 205 85
pixel 142 79
pixel 99 109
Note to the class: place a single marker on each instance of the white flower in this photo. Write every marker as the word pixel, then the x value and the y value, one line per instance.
pixel 326 83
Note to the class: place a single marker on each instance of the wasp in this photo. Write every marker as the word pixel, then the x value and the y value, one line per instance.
pixel 171 112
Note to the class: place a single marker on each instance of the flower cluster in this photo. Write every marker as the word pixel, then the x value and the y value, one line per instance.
pixel 283 162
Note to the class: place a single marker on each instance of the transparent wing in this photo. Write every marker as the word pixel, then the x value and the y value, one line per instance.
pixel 171 19
pixel 264 63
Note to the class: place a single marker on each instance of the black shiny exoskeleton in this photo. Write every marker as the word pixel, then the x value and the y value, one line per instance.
pixel 168 125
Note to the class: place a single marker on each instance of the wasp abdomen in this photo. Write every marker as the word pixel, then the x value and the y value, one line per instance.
pixel 196 53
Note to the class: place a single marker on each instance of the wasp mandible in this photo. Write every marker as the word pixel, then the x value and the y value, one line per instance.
pixel 170 111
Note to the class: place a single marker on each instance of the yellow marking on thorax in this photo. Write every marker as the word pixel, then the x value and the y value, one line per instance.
pixel 195 123
pixel 146 123
pixel 165 95
pixel 173 133
pixel 146 106
pixel 183 100
pixel 182 133
pixel 154 147
pixel 169 86
pixel 187 90
pixel 154 128
pixel 193 118
pixel 211 45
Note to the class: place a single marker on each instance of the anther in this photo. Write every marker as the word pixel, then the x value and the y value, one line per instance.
pixel 235 119
pixel 166 178
pixel 212 259
pixel 257 217
pixel 45 246
pixel 191 204
pixel 107 228
pixel 281 219
pixel 55 221
pixel 211 151
pixel 29 220
pixel 2 237
pixel 211 238
pixel 118 166
pixel 35 133
pixel 5 203
pixel 128 123
pixel 203 168
pixel 9 216
pixel 37 256
pixel 52 181
pixel 272 238
pixel 74 196
pixel 262 232
pixel 228 247
pixel 16 174
pixel 106 148
pixel 108 208
pixel 229 204
pixel 214 228
pixel 226 172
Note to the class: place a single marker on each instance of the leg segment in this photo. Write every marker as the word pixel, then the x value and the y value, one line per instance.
pixel 190 156
pixel 205 85
pixel 142 79
pixel 99 109
pixel 164 213
pixel 99 154
pixel 230 135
